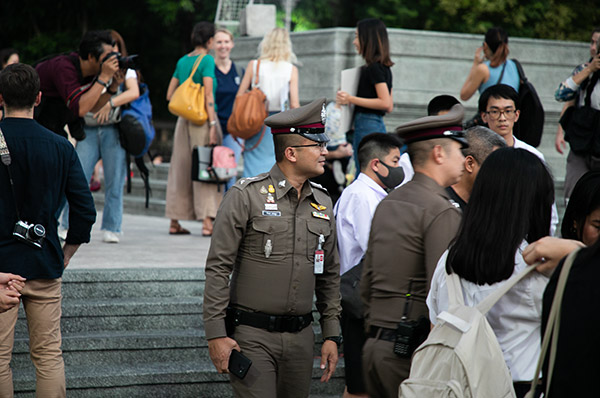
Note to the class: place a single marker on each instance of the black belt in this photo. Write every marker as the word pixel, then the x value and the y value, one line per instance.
pixel 272 323
pixel 383 333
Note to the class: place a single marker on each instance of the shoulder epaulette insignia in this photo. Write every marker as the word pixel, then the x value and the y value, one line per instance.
pixel 244 182
pixel 316 185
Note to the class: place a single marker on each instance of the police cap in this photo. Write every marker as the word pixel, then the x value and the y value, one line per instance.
pixel 307 121
pixel 440 126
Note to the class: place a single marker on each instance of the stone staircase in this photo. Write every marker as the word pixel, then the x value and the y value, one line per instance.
pixel 137 333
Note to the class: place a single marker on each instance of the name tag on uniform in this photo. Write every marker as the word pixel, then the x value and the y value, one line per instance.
pixel 317 214
pixel 270 206
pixel 271 213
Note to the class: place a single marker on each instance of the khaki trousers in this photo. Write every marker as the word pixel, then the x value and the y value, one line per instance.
pixel 384 370
pixel 187 199
pixel 41 299
pixel 281 363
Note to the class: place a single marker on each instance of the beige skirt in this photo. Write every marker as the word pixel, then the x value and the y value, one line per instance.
pixel 187 199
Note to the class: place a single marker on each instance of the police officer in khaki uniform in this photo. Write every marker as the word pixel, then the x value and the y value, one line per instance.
pixel 275 234
pixel 411 229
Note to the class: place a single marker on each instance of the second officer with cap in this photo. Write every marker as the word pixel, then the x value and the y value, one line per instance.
pixel 410 230
pixel 275 235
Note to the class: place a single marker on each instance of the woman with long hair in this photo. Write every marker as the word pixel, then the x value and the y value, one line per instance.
pixel 278 80
pixel 374 94
pixel 228 82
pixel 187 199
pixel 491 65
pixel 582 217
pixel 510 206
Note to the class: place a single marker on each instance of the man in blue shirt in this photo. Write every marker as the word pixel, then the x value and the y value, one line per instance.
pixel 38 169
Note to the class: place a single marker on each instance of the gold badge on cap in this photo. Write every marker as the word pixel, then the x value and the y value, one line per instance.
pixel 318 206
pixel 271 189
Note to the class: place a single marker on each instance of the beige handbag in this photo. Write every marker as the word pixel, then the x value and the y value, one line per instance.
pixel 188 99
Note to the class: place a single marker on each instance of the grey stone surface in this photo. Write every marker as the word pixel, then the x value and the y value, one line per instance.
pixel 257 19
pixel 145 243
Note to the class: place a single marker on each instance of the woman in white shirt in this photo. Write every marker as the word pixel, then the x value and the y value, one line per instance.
pixel 278 79
pixel 510 206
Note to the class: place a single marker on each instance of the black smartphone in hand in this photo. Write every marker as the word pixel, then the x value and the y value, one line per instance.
pixel 239 364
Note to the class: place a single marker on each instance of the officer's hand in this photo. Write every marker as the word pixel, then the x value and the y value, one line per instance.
pixel 219 350
pixel 8 298
pixel 329 359
pixel 549 251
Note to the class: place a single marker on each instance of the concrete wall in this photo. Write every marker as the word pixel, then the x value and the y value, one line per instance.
pixel 428 64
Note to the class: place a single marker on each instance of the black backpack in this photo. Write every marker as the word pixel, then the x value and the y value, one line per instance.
pixel 530 126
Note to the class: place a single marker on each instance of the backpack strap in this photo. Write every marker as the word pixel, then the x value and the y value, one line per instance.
pixel 522 76
pixel 455 292
pixel 502 73
pixel 552 327
pixel 486 304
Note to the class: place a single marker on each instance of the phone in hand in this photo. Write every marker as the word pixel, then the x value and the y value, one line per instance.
pixel 239 364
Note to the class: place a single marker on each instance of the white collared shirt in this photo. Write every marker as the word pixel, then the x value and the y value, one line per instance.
pixel 353 214
pixel 515 318
pixel 554 217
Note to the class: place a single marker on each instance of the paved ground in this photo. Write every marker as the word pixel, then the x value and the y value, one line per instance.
pixel 145 243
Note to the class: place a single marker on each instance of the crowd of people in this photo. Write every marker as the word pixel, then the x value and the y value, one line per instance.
pixel 429 200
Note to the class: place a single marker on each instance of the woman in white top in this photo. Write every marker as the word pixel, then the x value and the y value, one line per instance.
pixel 278 79
pixel 510 206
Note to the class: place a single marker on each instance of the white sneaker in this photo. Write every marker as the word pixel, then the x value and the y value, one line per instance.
pixel 62 234
pixel 110 237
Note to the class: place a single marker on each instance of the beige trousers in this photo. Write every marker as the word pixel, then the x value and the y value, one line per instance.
pixel 41 299
pixel 187 199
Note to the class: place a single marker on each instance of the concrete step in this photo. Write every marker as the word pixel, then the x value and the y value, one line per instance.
pixel 123 347
pixel 147 282
pixel 159 379
pixel 127 314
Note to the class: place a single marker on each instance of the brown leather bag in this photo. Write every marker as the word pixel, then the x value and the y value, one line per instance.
pixel 249 112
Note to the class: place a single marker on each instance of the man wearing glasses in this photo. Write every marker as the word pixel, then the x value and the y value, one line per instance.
pixel 275 236
pixel 499 108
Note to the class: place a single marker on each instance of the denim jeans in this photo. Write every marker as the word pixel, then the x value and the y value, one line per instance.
pixel 102 142
pixel 365 124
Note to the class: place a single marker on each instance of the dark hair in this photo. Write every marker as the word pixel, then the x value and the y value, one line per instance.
pixel 376 146
pixel 374 43
pixel 5 55
pixel 441 103
pixel 283 141
pixel 511 201
pixel 482 142
pixel 201 33
pixel 595 30
pixel 494 37
pixel 93 43
pixel 19 86
pixel 498 91
pixel 584 199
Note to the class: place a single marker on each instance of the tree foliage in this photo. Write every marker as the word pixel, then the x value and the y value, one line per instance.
pixel 545 19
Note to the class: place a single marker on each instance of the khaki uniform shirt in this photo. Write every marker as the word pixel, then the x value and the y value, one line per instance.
pixel 270 249
pixel 411 229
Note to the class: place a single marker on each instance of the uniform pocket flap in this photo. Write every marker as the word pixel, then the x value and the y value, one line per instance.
pixel 319 227
pixel 269 226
